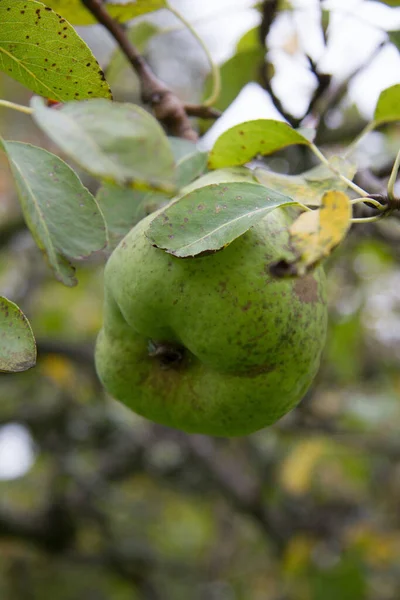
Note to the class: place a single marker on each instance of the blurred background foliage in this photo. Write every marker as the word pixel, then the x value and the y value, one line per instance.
pixel 99 504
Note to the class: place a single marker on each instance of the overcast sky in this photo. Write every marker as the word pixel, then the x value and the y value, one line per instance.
pixel 357 28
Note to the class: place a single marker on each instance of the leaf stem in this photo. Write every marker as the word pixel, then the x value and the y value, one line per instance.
pixel 372 201
pixel 19 107
pixel 351 147
pixel 199 20
pixel 215 72
pixel 393 177
pixel 345 180
pixel 369 219
pixel 304 206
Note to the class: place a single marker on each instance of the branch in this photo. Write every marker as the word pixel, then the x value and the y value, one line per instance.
pixel 167 107
pixel 323 83
pixel 268 13
pixel 269 9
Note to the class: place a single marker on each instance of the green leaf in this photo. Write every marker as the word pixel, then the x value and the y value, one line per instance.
pixel 209 218
pixel 190 161
pixel 17 344
pixel 181 148
pixel 42 51
pixel 60 212
pixel 228 175
pixel 123 208
pixel 251 39
pixel 394 37
pixel 191 167
pixel 388 106
pixel 345 580
pixel 120 143
pixel 118 68
pixel 241 143
pixel 309 187
pixel 77 14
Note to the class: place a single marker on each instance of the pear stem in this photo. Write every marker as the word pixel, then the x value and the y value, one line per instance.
pixel 170 356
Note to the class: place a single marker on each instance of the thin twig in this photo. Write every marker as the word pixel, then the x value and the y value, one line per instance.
pixel 201 111
pixel 215 72
pixel 167 107
pixel 345 180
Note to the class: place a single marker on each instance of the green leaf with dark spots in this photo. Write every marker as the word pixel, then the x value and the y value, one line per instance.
pixel 17 344
pixel 211 217
pixel 42 51
pixel 75 12
pixel 243 142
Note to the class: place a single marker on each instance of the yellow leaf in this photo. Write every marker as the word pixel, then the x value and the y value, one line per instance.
pixel 59 369
pixel 298 467
pixel 315 234
pixel 379 548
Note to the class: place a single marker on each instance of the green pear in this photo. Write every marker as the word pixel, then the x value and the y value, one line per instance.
pixel 213 344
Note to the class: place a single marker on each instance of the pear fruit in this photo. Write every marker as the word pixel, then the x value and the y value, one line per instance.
pixel 212 344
